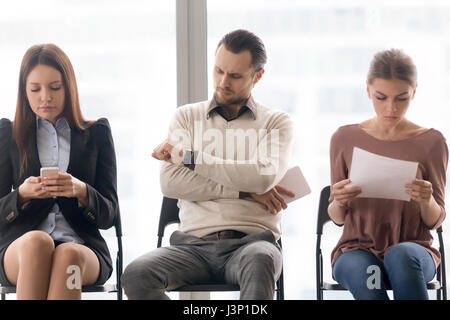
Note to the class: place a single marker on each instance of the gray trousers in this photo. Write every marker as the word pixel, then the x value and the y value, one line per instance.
pixel 254 262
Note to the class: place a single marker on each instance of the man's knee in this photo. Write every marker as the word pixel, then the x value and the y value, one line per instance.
pixel 133 274
pixel 140 274
pixel 262 258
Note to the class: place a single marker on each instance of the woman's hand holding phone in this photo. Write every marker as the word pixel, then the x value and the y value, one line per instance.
pixel 64 184
pixel 52 185
pixel 31 188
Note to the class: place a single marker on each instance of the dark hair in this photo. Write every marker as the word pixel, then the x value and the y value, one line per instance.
pixel 25 119
pixel 393 64
pixel 240 40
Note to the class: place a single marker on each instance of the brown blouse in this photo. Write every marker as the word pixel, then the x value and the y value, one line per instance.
pixel 375 225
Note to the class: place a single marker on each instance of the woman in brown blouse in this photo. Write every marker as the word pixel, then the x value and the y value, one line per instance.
pixel 387 241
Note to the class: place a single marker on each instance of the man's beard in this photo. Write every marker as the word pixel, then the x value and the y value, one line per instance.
pixel 230 102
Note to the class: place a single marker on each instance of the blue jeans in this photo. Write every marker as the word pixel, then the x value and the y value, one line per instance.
pixel 407 268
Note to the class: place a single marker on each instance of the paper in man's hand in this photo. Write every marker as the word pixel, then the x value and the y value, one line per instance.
pixel 294 181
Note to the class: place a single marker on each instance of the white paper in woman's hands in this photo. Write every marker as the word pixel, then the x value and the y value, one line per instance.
pixel 381 177
pixel 294 181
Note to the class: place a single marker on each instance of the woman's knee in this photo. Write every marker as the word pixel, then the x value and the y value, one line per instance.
pixel 70 258
pixel 362 274
pixel 402 255
pixel 409 260
pixel 35 245
pixel 66 254
pixel 355 267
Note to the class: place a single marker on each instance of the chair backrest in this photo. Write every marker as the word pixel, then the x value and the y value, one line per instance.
pixel 441 272
pixel 168 215
pixel 118 226
pixel 119 258
pixel 322 215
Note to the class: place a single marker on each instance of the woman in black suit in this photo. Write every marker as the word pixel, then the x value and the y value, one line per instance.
pixel 50 244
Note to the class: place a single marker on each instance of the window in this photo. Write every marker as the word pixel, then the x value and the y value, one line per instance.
pixel 124 56
pixel 318 57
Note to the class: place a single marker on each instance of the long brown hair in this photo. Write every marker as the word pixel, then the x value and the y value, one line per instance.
pixel 25 119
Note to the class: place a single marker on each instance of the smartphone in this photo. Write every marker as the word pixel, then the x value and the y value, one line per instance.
pixel 49 171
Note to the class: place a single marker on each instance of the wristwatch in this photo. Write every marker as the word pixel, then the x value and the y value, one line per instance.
pixel 189 159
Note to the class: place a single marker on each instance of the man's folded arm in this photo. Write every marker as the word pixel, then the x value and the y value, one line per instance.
pixel 182 183
pixel 260 174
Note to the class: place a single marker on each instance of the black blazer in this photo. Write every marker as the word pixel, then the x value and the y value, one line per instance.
pixel 92 160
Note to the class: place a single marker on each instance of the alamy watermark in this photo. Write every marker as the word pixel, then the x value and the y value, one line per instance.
pixel 246 147
pixel 374 280
pixel 74 280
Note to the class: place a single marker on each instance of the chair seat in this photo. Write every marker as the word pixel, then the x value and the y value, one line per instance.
pixel 208 287
pixel 212 287
pixel 433 285
pixel 6 290
pixel 332 286
pixel 105 288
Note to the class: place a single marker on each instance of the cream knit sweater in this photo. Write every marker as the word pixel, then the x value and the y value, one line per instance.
pixel 245 154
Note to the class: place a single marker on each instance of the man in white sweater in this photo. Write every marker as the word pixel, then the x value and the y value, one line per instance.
pixel 222 160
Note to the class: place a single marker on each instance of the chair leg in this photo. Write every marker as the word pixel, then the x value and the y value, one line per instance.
pixel 3 296
pixel 280 287
pixel 320 294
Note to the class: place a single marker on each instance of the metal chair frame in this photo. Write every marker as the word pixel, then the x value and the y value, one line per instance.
pixel 169 215
pixel 440 285
pixel 110 288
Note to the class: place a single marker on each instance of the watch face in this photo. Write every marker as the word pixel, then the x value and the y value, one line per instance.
pixel 187 158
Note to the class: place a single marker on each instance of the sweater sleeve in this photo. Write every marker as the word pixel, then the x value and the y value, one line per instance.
pixel 264 170
pixel 436 169
pixel 180 182
pixel 183 183
pixel 338 165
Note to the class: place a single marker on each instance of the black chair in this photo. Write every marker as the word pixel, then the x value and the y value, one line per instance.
pixel 440 285
pixel 169 215
pixel 110 288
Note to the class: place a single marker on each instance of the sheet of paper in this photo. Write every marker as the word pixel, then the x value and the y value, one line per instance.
pixel 381 177
pixel 294 181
